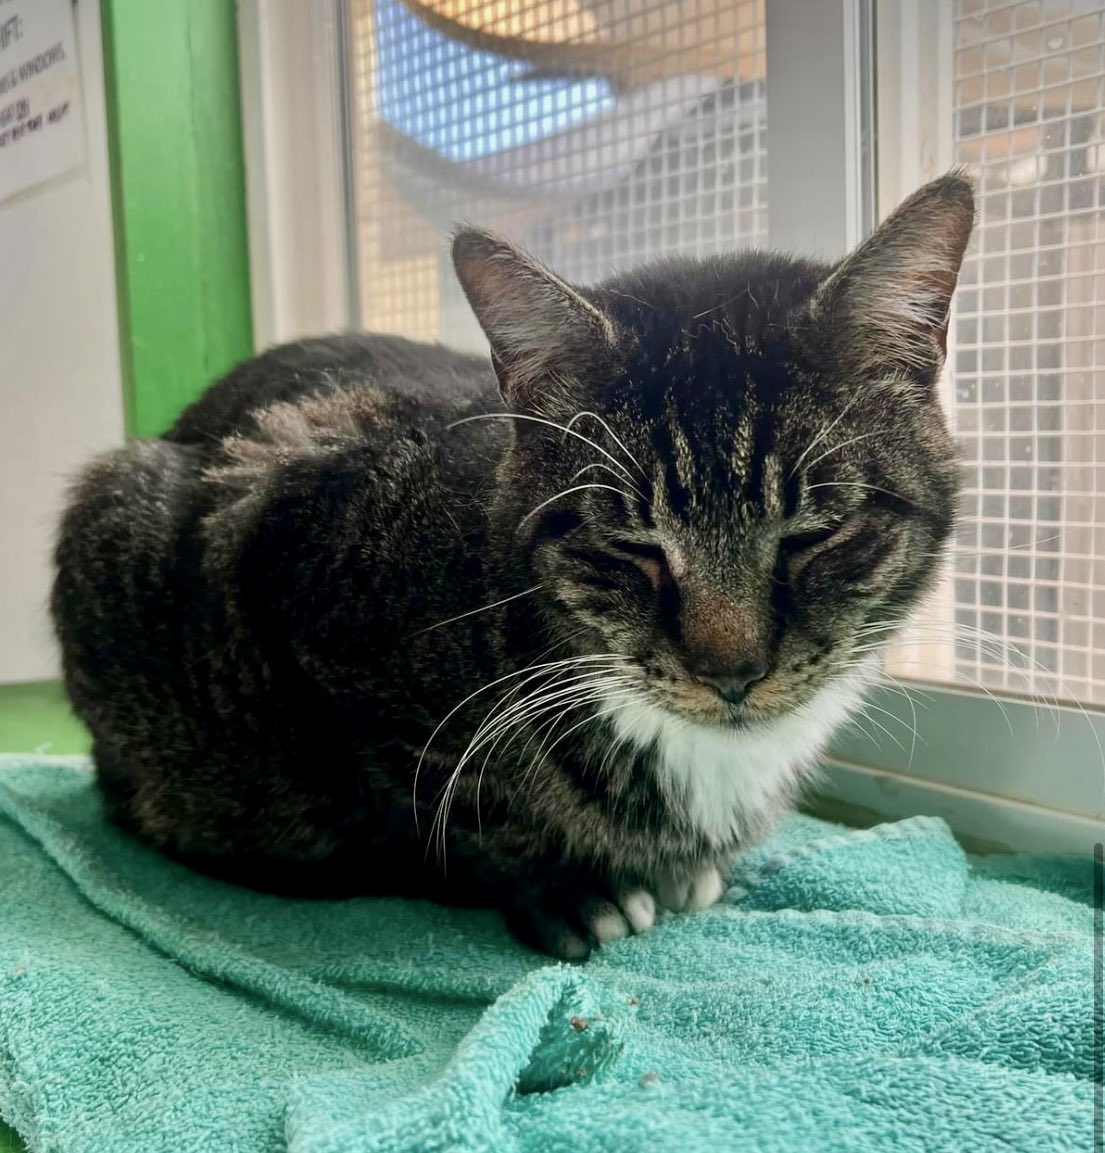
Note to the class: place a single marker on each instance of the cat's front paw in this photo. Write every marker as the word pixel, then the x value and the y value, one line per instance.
pixel 568 921
pixel 683 892
pixel 570 917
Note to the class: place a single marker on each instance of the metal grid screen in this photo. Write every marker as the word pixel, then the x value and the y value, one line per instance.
pixel 1028 368
pixel 597 135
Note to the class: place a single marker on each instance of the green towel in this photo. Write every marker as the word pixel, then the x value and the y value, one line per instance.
pixel 853 991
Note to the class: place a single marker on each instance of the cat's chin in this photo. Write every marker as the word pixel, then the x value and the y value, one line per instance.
pixel 733 721
pixel 727 779
pixel 721 720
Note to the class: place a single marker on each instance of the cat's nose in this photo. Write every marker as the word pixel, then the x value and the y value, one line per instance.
pixel 733 685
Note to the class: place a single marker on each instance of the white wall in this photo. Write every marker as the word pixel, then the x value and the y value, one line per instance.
pixel 60 388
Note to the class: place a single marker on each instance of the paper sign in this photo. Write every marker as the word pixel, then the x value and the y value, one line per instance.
pixel 41 128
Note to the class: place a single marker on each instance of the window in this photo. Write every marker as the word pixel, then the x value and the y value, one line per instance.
pixel 1028 369
pixel 594 135
pixel 600 135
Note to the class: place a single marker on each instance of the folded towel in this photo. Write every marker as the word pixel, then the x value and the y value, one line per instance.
pixel 854 991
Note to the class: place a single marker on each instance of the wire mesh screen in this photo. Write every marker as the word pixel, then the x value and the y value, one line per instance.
pixel 597 133
pixel 1028 368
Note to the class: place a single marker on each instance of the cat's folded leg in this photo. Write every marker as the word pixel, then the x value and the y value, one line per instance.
pixel 568 917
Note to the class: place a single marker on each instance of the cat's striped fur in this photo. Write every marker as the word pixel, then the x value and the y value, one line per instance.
pixel 362 621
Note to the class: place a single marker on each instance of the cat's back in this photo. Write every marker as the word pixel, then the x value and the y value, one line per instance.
pixel 436 379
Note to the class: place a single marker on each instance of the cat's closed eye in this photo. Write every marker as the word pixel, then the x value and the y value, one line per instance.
pixel 650 558
pixel 797 549
pixel 802 541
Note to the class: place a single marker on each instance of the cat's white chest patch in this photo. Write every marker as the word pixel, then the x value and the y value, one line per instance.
pixel 725 780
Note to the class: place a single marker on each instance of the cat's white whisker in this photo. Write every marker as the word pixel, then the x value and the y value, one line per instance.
pixel 821 436
pixel 895 686
pixel 596 690
pixel 485 729
pixel 597 694
pixel 473 612
pixel 521 711
pixel 858 484
pixel 879 725
pixel 842 445
pixel 627 696
pixel 856 720
pixel 532 669
pixel 1003 652
pixel 556 685
pixel 958 675
pixel 893 717
pixel 613 436
pixel 527 711
pixel 549 423
pixel 568 492
pixel 580 696
pixel 960 552
pixel 500 711
pixel 1013 660
pixel 599 464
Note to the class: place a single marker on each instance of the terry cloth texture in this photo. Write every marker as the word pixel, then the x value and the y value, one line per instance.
pixel 853 991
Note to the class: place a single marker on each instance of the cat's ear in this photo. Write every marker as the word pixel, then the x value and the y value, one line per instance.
pixel 545 336
pixel 885 307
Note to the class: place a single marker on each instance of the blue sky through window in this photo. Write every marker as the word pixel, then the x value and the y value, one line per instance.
pixel 463 103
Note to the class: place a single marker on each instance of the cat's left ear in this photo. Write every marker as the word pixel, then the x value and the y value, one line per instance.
pixel 885 307
pixel 545 336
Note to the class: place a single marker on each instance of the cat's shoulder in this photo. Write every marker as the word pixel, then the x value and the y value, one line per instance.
pixel 328 374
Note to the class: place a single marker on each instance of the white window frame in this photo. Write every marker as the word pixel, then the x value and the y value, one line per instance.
pixel 1003 772
pixel 296 137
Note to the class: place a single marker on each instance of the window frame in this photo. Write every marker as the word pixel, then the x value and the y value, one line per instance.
pixel 1002 770
pixel 297 138
pixel 1017 779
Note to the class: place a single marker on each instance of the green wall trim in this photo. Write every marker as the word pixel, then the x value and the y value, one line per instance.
pixel 36 716
pixel 178 196
pixel 9 1140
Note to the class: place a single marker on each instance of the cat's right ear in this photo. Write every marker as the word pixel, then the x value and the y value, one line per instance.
pixel 886 306
pixel 546 337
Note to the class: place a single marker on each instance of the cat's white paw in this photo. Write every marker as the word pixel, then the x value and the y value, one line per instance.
pixel 681 893
pixel 639 908
pixel 634 912
pixel 609 925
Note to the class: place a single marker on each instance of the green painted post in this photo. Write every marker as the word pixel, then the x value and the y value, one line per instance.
pixel 178 191
pixel 182 260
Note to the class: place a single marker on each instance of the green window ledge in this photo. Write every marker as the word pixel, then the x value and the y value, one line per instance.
pixel 36 717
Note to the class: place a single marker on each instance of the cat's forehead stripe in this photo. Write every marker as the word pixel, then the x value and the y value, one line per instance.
pixel 736 463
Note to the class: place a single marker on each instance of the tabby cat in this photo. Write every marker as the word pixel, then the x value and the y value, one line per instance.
pixel 559 632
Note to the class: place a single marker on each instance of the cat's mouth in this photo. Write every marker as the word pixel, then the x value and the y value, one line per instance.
pixel 728 719
pixel 765 704
pixel 738 718
pixel 689 700
pixel 693 702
